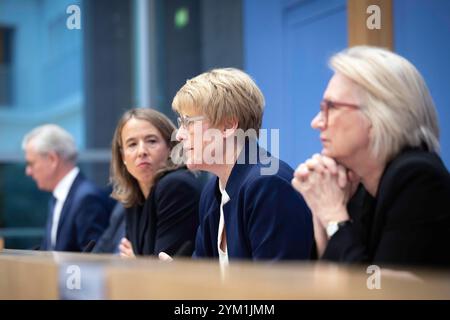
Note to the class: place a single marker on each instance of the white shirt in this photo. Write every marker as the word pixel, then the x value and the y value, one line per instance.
pixel 60 193
pixel 223 254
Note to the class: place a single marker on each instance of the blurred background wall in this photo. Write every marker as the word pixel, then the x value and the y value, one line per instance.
pixel 138 53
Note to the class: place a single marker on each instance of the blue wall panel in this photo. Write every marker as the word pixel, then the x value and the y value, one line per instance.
pixel 422 35
pixel 287 45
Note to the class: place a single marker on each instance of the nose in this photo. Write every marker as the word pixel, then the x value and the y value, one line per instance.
pixel 142 149
pixel 318 122
pixel 28 170
pixel 181 134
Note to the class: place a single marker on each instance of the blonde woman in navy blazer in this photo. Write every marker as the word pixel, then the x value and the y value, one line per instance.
pixel 248 210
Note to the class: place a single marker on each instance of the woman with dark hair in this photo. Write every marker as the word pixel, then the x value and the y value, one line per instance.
pixel 161 198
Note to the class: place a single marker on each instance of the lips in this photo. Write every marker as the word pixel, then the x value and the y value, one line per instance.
pixel 143 164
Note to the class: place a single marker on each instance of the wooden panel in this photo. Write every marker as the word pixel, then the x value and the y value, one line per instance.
pixel 205 280
pixel 28 278
pixel 41 275
pixel 359 33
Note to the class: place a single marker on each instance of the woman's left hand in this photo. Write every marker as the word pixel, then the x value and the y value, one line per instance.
pixel 325 187
pixel 126 249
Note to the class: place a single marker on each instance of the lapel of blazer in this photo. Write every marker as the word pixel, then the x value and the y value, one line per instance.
pixel 66 209
pixel 48 227
pixel 386 195
pixel 383 199
pixel 239 174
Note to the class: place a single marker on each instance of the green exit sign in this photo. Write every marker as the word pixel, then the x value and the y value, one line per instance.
pixel 181 17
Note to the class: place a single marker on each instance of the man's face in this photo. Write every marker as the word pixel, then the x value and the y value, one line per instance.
pixel 40 167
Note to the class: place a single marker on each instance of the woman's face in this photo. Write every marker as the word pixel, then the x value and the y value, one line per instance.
pixel 192 135
pixel 144 150
pixel 345 133
pixel 204 145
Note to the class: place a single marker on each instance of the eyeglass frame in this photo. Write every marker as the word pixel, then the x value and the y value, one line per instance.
pixel 185 121
pixel 326 105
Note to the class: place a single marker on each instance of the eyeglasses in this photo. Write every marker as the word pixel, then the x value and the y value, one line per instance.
pixel 185 122
pixel 326 105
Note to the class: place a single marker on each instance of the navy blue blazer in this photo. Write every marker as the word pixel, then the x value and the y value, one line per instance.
pixel 264 219
pixel 84 217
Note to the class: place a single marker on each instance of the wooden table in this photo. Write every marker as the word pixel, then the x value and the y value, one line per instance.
pixel 49 275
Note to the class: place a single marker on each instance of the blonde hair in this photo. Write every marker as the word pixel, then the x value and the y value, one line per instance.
pixel 395 99
pixel 223 94
pixel 125 187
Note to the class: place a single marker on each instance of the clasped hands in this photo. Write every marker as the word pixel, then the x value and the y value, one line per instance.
pixel 326 187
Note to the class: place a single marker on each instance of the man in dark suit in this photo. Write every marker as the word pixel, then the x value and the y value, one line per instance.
pixel 78 210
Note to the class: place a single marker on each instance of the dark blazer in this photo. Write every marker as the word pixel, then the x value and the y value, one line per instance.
pixel 84 217
pixel 110 239
pixel 408 223
pixel 264 219
pixel 169 217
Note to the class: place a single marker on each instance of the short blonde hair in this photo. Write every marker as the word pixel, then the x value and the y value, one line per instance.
pixel 125 187
pixel 395 99
pixel 222 94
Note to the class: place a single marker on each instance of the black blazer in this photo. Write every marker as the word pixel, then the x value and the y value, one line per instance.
pixel 169 217
pixel 408 223
pixel 110 239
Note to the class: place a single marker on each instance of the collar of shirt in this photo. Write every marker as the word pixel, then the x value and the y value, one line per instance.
pixel 63 187
pixel 225 196
pixel 250 155
pixel 223 254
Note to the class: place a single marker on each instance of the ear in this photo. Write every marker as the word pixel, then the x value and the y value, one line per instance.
pixel 53 158
pixel 229 127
